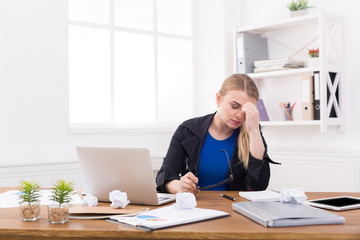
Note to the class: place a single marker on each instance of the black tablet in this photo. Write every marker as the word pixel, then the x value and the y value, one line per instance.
pixel 336 203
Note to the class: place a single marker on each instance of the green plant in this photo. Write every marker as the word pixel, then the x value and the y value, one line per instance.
pixel 295 5
pixel 29 191
pixel 314 53
pixel 61 192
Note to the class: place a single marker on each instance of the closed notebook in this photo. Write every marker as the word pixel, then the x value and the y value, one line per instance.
pixel 279 214
pixel 103 212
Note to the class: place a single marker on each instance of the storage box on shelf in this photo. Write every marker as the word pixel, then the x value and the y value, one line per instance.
pixel 292 38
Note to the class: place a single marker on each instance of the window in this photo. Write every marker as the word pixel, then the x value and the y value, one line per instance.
pixel 130 62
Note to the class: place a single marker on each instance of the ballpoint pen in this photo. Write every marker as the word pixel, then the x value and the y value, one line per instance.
pixel 228 197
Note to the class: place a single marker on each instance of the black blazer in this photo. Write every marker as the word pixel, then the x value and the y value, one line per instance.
pixel 184 153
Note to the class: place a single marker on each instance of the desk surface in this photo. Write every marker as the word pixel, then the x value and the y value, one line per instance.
pixel 234 227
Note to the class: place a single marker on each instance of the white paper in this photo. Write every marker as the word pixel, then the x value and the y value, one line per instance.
pixel 118 199
pixel 185 200
pixel 263 196
pixel 294 195
pixel 90 200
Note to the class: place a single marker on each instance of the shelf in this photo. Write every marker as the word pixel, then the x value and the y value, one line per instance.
pixel 284 73
pixel 290 123
pixel 288 23
pixel 287 38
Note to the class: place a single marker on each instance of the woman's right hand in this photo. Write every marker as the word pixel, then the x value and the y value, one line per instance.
pixel 187 183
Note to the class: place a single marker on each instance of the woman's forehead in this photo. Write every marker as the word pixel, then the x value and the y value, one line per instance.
pixel 238 96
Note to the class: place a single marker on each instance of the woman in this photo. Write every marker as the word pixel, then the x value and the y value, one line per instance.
pixel 200 148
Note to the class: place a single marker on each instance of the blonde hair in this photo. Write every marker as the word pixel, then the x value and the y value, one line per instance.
pixel 244 83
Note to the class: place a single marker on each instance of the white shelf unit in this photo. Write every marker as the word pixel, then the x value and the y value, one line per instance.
pixel 292 38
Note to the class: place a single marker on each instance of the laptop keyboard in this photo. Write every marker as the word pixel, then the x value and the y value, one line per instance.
pixel 163 198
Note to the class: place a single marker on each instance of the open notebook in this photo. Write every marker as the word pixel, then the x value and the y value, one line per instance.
pixel 126 169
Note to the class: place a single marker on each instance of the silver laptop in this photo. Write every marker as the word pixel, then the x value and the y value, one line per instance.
pixel 126 169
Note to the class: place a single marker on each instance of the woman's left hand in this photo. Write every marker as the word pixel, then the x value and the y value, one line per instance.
pixel 252 116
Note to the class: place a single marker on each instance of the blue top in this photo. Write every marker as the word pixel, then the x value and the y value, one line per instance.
pixel 213 165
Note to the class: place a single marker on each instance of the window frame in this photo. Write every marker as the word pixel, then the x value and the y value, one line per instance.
pixel 148 127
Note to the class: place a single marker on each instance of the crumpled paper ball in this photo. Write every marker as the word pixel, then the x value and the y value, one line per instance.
pixel 294 195
pixel 118 199
pixel 90 200
pixel 185 200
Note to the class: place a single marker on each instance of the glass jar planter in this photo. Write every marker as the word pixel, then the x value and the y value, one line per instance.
pixel 313 62
pixel 58 213
pixel 29 211
pixel 298 13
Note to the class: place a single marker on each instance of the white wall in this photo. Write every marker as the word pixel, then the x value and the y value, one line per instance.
pixel 34 88
pixel 216 21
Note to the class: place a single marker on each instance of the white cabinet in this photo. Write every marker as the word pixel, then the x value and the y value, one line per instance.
pixel 293 38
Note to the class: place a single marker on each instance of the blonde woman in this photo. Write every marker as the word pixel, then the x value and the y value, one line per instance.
pixel 220 151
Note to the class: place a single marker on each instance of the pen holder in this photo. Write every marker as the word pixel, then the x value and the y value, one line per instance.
pixel 288 114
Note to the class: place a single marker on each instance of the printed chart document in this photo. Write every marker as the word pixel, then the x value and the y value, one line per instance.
pixel 267 195
pixel 167 217
pixel 280 214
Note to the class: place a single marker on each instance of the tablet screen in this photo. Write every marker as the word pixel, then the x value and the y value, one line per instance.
pixel 338 202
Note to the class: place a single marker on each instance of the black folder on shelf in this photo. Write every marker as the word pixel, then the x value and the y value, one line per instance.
pixel 316 96
pixel 280 214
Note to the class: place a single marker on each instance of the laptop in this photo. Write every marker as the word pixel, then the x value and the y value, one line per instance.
pixel 126 169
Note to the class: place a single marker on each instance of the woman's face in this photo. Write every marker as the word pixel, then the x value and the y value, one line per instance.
pixel 230 107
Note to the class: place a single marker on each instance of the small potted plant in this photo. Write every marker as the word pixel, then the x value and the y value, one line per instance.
pixel 313 60
pixel 61 195
pixel 30 200
pixel 298 7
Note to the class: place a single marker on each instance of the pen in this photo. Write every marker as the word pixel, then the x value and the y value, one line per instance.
pixel 228 197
